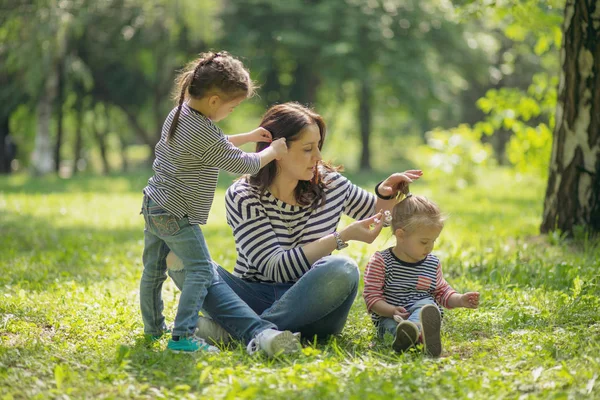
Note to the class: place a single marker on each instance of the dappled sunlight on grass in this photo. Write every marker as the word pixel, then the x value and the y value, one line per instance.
pixel 70 252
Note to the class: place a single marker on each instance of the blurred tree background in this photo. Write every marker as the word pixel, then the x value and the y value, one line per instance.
pixel 449 85
pixel 445 86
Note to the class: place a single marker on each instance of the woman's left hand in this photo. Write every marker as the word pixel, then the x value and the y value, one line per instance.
pixel 365 230
pixel 394 183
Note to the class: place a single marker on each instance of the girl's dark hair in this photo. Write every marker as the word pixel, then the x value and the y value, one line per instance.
pixel 286 121
pixel 211 72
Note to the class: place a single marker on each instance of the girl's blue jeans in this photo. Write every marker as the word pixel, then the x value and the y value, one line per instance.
pixel 317 304
pixel 201 286
pixel 388 325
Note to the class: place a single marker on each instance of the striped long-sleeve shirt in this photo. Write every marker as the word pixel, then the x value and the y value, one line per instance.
pixel 269 234
pixel 186 169
pixel 400 283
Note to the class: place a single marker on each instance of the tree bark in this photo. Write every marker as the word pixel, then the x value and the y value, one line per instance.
pixel 78 138
pixel 4 160
pixel 59 112
pixel 573 192
pixel 365 118
pixel 124 160
pixel 100 134
pixel 42 160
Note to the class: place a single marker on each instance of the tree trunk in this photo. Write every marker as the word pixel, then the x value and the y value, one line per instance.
pixel 100 135
pixel 573 192
pixel 42 160
pixel 125 162
pixel 306 83
pixel 364 116
pixel 149 140
pixel 59 113
pixel 4 159
pixel 78 138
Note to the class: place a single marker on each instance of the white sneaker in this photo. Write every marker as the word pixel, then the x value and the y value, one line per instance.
pixel 275 343
pixel 211 331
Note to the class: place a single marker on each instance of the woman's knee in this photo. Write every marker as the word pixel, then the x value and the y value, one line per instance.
pixel 341 273
pixel 344 266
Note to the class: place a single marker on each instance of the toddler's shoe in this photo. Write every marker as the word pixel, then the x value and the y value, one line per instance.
pixel 431 323
pixel 407 334
pixel 190 344
pixel 211 331
pixel 275 343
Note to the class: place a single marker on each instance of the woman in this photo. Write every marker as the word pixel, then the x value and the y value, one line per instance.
pixel 284 221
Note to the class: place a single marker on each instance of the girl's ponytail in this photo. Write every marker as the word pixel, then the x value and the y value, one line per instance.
pixel 184 81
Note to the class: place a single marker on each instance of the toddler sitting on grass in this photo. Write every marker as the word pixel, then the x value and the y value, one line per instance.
pixel 404 285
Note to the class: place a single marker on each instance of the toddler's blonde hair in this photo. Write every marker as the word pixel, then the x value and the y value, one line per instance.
pixel 415 212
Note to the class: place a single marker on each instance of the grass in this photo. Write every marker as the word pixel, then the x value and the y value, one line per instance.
pixel 70 257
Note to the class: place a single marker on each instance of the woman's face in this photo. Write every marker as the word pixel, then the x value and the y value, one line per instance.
pixel 303 155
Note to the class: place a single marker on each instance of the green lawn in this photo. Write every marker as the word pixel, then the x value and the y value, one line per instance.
pixel 70 256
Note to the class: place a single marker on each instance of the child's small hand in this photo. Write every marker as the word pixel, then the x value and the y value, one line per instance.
pixel 470 300
pixel 280 148
pixel 260 135
pixel 400 312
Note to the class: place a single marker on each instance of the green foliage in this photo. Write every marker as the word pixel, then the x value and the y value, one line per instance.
pixel 535 31
pixel 529 116
pixel 70 254
pixel 405 52
pixel 454 156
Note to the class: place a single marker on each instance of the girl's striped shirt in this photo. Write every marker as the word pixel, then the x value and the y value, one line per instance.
pixel 269 234
pixel 186 169
pixel 400 283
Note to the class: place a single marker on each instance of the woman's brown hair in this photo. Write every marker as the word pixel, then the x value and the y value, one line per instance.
pixel 211 72
pixel 286 121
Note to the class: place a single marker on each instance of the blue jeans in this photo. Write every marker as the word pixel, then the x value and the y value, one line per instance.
pixel 164 232
pixel 388 325
pixel 317 304
pixel 213 294
pixel 225 307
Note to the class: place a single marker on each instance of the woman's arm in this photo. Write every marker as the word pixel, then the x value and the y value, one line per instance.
pixel 256 239
pixel 362 231
pixel 391 186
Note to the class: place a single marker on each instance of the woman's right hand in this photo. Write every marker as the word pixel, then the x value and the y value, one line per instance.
pixel 365 230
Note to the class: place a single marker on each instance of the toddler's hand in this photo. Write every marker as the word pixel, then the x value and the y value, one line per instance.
pixel 400 312
pixel 260 135
pixel 280 148
pixel 470 300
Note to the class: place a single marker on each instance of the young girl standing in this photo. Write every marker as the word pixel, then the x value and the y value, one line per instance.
pixel 406 281
pixel 177 199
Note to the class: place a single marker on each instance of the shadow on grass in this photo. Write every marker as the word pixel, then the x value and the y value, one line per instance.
pixel 37 254
pixel 132 182
pixel 22 183
pixel 154 364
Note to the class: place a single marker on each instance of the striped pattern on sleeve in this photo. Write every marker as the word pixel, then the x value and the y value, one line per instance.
pixel 186 169
pixel 374 280
pixel 403 284
pixel 270 234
